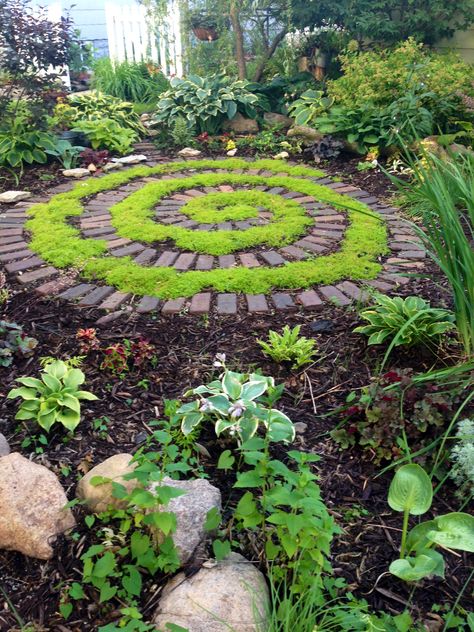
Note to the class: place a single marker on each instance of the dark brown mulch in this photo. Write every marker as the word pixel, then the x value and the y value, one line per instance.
pixel 186 347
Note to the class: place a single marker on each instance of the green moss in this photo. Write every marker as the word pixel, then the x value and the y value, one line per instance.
pixel 61 245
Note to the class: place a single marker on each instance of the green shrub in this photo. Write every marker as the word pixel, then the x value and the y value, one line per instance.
pixel 142 82
pixel 95 106
pixel 55 398
pixel 181 134
pixel 106 133
pixel 21 144
pixel 381 77
pixel 407 322
pixel 205 102
pixel 289 347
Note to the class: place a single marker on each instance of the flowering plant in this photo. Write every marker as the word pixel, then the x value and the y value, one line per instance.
pixel 326 38
pixel 237 404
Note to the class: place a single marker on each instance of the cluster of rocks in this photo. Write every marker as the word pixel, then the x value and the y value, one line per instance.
pixel 231 593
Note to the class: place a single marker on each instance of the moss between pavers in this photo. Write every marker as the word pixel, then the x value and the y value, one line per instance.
pixel 62 246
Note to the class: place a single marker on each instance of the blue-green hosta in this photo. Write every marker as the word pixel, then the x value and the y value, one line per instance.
pixel 407 321
pixel 237 404
pixel 55 398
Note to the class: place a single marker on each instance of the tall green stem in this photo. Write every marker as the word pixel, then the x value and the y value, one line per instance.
pixel 406 515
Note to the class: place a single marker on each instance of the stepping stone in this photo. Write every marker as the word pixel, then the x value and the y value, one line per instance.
pixel 96 296
pixel 226 261
pixel 272 258
pixel 148 304
pixel 204 262
pixel 36 275
pixel 310 300
pixel 146 256
pixel 249 260
pixel 16 254
pixel 295 252
pixel 116 243
pixel 227 303
pixel 173 306
pixel 334 295
pixel 185 261
pixel 309 245
pixel 200 303
pixel 257 303
pixel 114 300
pixel 77 291
pixel 25 264
pixel 283 301
pixel 127 250
pixel 166 259
pixel 353 291
pixel 51 288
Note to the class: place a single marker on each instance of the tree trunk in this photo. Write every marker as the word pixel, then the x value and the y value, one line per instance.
pixel 268 55
pixel 239 39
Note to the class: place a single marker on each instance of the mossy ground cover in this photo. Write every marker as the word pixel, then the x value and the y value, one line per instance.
pixel 62 245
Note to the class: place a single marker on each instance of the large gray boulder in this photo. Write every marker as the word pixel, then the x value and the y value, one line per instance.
pixel 230 595
pixel 191 511
pixel 241 125
pixel 307 134
pixel 99 497
pixel 277 120
pixel 4 445
pixel 32 507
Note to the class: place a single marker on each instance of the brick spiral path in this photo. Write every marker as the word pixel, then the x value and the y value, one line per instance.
pixel 22 265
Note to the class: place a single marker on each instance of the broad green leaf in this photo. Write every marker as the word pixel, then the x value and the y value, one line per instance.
pixel 46 420
pixel 252 390
pixel 411 490
pixel 412 569
pixel 190 421
pixel 133 581
pixel 165 521
pixel 226 460
pixel 213 519
pixel 23 392
pixel 107 592
pixel 454 531
pixel 86 395
pixel 74 378
pixel 231 386
pixel 105 565
pixel 221 549
pixel 417 539
pixel 69 418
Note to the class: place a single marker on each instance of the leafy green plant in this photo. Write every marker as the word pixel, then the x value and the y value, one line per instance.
pixel 55 398
pixel 96 106
pixel 20 144
pixel 205 102
pixel 65 153
pixel 407 322
pixel 14 341
pixel 309 106
pixel 141 82
pixel 462 459
pixel 106 133
pixel 181 134
pixel 441 191
pixel 237 405
pixel 289 347
pixel 395 406
pixel 411 492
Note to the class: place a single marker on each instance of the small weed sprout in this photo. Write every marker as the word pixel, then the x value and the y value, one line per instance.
pixel 289 347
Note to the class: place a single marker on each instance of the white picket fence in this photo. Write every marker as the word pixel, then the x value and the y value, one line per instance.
pixel 133 36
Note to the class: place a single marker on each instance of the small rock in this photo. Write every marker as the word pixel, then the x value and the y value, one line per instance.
pixel 140 437
pixel 306 133
pixel 241 125
pixel 76 173
pixel 282 155
pixel 131 160
pixel 321 326
pixel 91 168
pixel 4 445
pixel 191 511
pixel 146 116
pixel 32 507
pixel 99 497
pixel 232 595
pixel 232 152
pixel 274 119
pixel 10 197
pixel 110 166
pixel 189 152
pixel 300 427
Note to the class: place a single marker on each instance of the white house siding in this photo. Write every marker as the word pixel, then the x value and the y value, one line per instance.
pixel 463 43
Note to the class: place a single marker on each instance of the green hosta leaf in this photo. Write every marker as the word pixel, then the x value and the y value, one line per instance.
pixel 226 460
pixel 221 549
pixel 70 402
pixel 69 418
pixel 252 390
pixel 223 424
pixel 417 539
pixel 247 428
pixel 23 392
pixel 280 427
pixel 86 395
pixel 231 385
pixel 52 382
pixel 74 378
pixel 412 569
pixel 32 382
pixel 190 421
pixel 46 420
pixel 454 531
pixel 411 490
pixel 219 403
pixel 57 369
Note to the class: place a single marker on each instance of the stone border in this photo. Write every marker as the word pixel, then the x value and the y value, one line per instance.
pixel 30 270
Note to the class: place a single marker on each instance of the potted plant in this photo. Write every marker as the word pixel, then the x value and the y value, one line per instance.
pixel 204 26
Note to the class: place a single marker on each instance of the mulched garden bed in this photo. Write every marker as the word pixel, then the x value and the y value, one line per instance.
pixel 186 347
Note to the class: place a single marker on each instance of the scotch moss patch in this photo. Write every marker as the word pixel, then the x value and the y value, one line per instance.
pixel 61 245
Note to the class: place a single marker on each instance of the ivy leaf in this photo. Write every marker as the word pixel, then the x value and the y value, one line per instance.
pixel 226 460
pixel 221 549
pixel 107 592
pixel 65 609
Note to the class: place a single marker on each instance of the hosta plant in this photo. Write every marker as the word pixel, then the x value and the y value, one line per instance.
pixel 311 104
pixel 289 347
pixel 205 102
pixel 54 398
pixel 14 341
pixel 411 492
pixel 238 404
pixel 407 322
pixel 106 133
